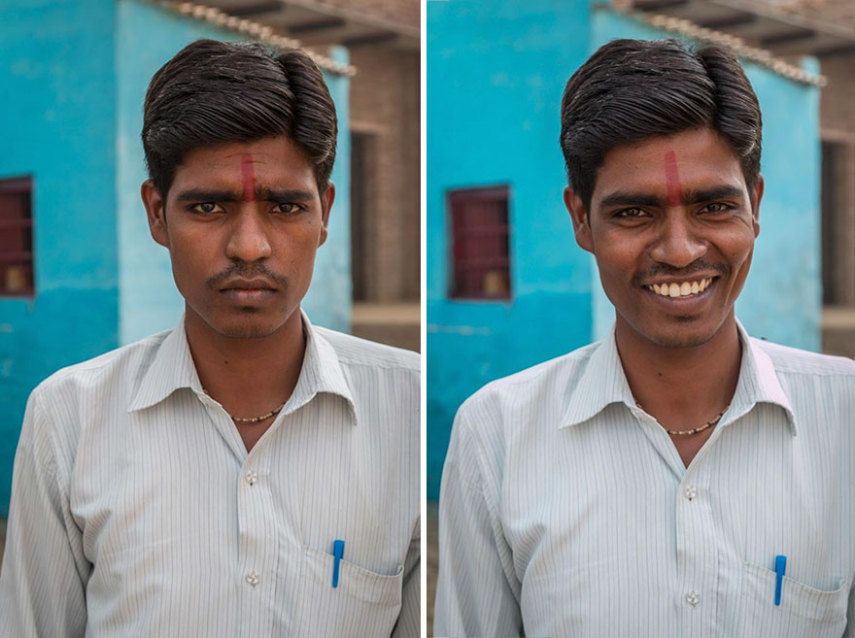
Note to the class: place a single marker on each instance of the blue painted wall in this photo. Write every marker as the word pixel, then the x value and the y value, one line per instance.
pixel 495 74
pixel 74 73
pixel 149 301
pixel 495 77
pixel 57 124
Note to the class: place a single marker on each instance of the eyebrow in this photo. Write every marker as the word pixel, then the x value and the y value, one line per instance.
pixel 194 195
pixel 625 198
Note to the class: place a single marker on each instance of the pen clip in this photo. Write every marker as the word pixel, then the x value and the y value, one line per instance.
pixel 338 552
pixel 780 570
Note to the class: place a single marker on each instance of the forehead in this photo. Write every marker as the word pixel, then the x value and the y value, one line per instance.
pixel 276 159
pixel 694 159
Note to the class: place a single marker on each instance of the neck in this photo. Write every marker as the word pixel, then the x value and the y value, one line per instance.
pixel 248 376
pixel 683 387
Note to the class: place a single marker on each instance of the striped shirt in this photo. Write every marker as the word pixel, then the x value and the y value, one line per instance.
pixel 565 510
pixel 136 510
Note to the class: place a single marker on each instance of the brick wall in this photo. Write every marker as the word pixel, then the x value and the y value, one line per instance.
pixel 384 103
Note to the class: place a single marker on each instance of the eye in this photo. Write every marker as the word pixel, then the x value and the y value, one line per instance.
pixel 206 208
pixel 288 208
pixel 716 207
pixel 630 213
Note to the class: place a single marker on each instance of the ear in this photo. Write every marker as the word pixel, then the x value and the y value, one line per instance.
pixel 327 199
pixel 581 219
pixel 156 211
pixel 756 196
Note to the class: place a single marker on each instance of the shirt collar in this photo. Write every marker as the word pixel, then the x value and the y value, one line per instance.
pixel 758 383
pixel 603 383
pixel 172 368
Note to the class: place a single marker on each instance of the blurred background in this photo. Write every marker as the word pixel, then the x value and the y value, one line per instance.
pixel 79 274
pixel 507 287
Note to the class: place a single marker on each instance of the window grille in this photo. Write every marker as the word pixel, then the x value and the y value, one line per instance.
pixel 16 237
pixel 480 243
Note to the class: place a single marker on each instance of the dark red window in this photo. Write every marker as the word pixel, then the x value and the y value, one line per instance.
pixel 480 243
pixel 16 237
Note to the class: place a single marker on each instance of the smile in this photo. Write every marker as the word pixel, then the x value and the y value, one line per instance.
pixel 681 289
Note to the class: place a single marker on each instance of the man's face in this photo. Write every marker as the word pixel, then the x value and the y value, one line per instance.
pixel 672 227
pixel 242 222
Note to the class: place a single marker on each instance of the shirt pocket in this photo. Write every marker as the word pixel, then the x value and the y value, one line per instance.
pixel 364 603
pixel 804 610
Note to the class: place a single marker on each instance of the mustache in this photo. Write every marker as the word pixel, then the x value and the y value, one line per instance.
pixel 659 270
pixel 247 271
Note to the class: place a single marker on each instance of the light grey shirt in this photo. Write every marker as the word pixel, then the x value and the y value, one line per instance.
pixel 565 510
pixel 136 510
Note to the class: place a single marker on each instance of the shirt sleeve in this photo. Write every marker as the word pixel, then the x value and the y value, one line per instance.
pixel 476 592
pixel 409 620
pixel 42 583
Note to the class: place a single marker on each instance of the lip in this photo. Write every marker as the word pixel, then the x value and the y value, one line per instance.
pixel 239 283
pixel 248 292
pixel 248 296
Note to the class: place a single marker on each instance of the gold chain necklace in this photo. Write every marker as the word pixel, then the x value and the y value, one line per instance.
pixel 709 424
pixel 252 419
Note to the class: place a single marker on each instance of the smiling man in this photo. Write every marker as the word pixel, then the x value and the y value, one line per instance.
pixel 678 478
pixel 247 473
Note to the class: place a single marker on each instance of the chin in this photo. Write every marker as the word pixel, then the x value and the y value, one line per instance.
pixel 250 324
pixel 682 334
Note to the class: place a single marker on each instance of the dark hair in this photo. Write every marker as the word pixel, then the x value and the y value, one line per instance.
pixel 212 93
pixel 630 90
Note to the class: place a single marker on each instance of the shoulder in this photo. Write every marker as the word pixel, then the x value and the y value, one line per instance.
pixel 530 394
pixel 802 363
pixel 354 351
pixel 97 374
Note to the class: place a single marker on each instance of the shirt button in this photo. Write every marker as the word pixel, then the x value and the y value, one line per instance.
pixel 252 579
pixel 691 492
pixel 251 477
pixel 692 598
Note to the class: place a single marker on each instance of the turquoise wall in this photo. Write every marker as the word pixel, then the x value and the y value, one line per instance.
pixel 57 124
pixel 148 36
pixel 495 75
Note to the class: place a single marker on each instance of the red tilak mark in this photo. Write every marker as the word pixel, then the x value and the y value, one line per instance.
pixel 248 178
pixel 672 177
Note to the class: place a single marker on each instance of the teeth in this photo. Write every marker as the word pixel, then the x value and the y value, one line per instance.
pixel 683 289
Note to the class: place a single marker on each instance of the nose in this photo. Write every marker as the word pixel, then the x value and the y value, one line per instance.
pixel 248 239
pixel 677 243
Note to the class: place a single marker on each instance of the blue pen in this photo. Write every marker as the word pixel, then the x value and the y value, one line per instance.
pixel 780 569
pixel 338 552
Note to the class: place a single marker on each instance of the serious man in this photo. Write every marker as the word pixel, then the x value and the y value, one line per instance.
pixel 247 473
pixel 678 478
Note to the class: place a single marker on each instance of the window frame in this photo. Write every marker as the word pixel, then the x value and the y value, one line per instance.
pixel 455 199
pixel 21 186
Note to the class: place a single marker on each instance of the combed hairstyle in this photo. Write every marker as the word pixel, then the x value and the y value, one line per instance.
pixel 212 93
pixel 630 90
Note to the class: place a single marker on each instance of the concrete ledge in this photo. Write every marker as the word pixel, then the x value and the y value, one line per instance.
pixel 393 324
pixel 838 331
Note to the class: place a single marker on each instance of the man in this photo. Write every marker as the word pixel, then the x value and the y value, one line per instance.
pixel 247 473
pixel 678 478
